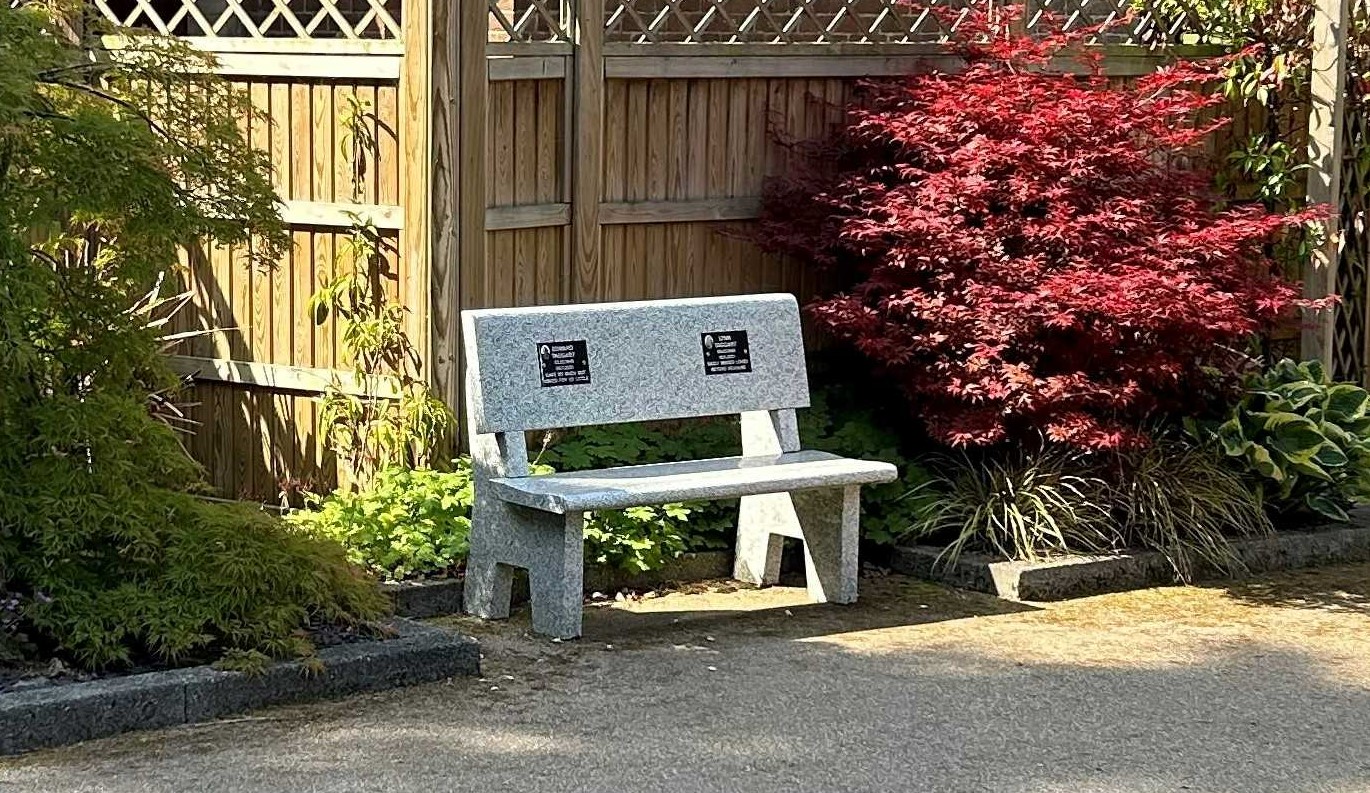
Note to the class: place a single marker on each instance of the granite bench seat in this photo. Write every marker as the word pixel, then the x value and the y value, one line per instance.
pixel 693 480
pixel 555 367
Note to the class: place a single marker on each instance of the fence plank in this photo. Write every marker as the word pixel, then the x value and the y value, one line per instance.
pixel 587 164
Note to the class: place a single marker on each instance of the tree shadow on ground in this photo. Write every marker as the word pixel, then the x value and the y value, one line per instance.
pixel 761 714
pixel 1341 589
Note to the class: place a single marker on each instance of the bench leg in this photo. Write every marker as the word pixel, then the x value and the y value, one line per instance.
pixel 549 546
pixel 763 522
pixel 488 590
pixel 830 520
pixel 827 520
pixel 556 572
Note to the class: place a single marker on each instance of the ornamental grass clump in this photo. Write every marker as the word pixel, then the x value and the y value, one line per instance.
pixel 1184 502
pixel 1173 497
pixel 1027 506
pixel 1031 253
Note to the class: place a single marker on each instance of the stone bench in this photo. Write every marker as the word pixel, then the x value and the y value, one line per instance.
pixel 531 369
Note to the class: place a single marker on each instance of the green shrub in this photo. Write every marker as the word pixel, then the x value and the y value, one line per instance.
pixel 114 565
pixel 1170 497
pixel 407 522
pixel 710 524
pixel 194 579
pixel 108 168
pixel 1302 441
pixel 837 421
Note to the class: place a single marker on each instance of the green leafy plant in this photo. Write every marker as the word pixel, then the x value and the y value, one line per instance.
pixel 637 539
pixel 1301 440
pixel 1272 170
pixel 836 422
pixel 407 522
pixel 410 522
pixel 108 168
pixel 710 524
pixel 393 419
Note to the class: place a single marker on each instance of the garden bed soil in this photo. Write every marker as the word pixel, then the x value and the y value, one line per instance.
pixel 442 596
pixel 1083 576
pixel 67 710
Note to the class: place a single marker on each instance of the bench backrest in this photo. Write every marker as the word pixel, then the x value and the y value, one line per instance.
pixel 607 363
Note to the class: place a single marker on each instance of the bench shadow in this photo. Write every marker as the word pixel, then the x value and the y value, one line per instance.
pixel 782 611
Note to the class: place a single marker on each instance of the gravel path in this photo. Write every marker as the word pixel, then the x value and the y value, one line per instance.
pixel 1263 686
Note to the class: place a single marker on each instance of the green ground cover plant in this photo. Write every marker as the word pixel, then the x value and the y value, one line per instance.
pixel 416 523
pixel 407 522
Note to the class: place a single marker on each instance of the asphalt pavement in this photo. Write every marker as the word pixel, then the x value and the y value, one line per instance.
pixel 917 688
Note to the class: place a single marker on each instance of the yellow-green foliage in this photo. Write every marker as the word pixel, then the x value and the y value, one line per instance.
pixel 405 523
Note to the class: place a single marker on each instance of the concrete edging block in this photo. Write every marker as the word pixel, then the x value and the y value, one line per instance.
pixel 1082 576
pixel 64 714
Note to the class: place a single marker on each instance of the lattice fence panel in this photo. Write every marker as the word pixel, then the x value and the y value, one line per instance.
pixel 1349 333
pixel 290 19
pixel 529 20
pixel 776 21
pixel 1150 23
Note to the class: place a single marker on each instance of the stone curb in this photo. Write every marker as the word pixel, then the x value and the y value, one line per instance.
pixel 65 714
pixel 440 597
pixel 1082 576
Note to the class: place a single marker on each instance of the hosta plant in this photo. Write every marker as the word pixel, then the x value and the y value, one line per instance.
pixel 1303 441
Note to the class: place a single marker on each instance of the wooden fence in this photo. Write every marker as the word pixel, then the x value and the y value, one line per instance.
pixel 525 152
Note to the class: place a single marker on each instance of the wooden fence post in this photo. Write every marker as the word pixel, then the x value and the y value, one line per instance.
pixel 474 81
pixel 1327 116
pixel 430 166
pixel 588 275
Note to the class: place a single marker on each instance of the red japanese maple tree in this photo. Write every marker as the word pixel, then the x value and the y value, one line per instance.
pixel 1027 252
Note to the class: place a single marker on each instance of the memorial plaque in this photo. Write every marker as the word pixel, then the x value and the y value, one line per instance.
pixel 726 352
pixel 564 363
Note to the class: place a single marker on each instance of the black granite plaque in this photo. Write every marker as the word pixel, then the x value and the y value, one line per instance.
pixel 563 363
pixel 726 352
